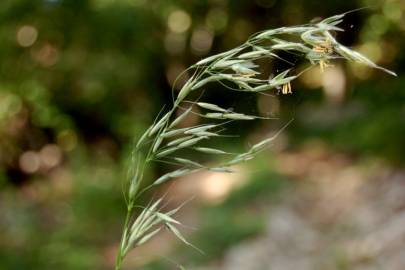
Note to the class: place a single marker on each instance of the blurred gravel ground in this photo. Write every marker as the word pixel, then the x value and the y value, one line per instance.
pixel 344 214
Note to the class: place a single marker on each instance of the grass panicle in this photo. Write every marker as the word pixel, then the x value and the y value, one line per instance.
pixel 238 70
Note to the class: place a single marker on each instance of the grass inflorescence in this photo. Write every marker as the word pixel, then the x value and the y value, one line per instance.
pixel 237 70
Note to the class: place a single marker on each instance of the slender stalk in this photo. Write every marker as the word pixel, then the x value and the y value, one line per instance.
pixel 121 255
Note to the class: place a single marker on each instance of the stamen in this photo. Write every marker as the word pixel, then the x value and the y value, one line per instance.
pixel 286 89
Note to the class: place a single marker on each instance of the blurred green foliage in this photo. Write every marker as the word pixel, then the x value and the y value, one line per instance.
pixel 80 78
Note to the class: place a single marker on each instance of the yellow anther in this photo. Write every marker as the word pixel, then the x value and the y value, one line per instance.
pixel 286 89
pixel 323 64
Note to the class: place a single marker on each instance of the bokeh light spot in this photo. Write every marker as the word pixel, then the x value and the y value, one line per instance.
pixel 51 155
pixel 312 78
pixel 215 187
pixel 27 35
pixel 47 55
pixel 179 21
pixel 201 41
pixel 29 162
pixel 334 84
